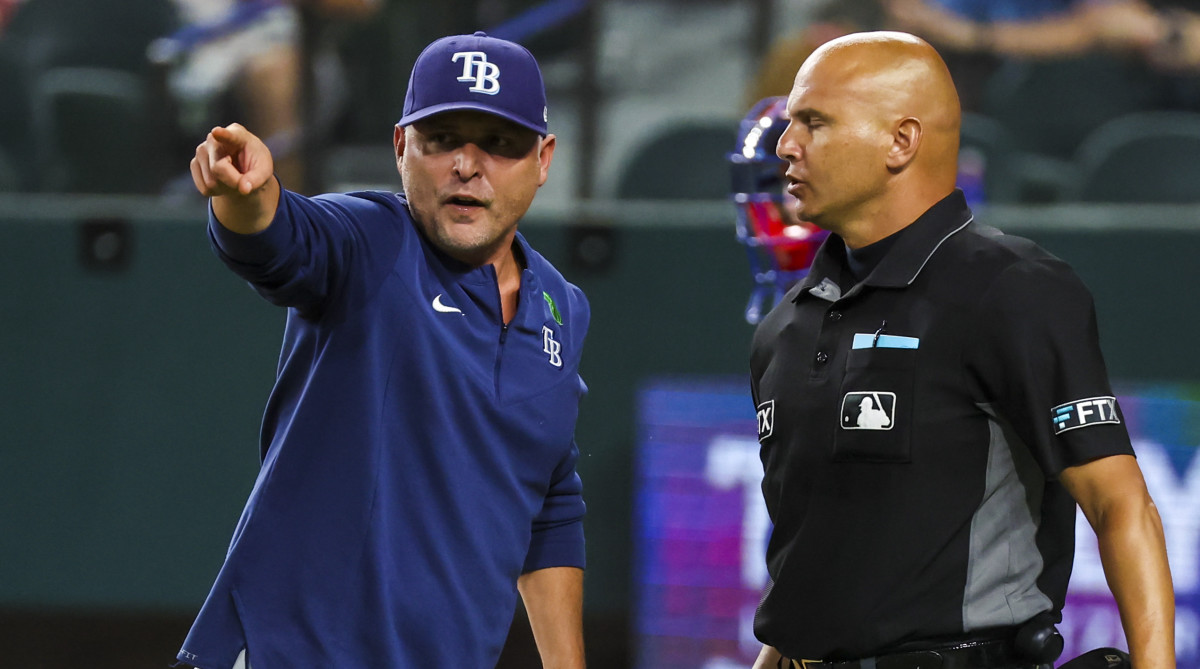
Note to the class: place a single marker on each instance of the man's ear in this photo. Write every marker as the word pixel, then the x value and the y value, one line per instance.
pixel 398 140
pixel 545 155
pixel 906 138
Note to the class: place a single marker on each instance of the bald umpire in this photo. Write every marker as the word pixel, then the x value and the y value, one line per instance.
pixel 932 404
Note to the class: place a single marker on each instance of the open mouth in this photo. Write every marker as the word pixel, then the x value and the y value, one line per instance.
pixel 464 201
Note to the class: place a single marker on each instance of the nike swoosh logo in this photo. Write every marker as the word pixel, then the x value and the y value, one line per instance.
pixel 445 309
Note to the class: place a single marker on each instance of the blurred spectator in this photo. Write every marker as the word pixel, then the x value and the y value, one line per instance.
pixel 783 59
pixel 1030 28
pixel 976 34
pixel 1178 50
pixel 247 54
pixel 1166 33
pixel 251 50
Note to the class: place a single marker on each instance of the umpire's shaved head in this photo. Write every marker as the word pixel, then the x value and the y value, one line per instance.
pixel 873 138
pixel 899 75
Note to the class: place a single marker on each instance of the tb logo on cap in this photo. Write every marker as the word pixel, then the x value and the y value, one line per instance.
pixel 477 68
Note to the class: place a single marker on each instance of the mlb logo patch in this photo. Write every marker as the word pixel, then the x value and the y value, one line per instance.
pixel 1081 413
pixel 766 419
pixel 868 410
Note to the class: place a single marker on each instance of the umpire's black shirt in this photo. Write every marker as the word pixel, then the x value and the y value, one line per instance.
pixel 913 425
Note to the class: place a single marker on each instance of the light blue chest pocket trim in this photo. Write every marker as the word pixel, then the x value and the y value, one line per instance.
pixel 862 340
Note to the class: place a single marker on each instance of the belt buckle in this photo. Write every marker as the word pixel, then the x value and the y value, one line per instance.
pixel 804 664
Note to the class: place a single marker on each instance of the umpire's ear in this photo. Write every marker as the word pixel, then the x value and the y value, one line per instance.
pixel 1100 658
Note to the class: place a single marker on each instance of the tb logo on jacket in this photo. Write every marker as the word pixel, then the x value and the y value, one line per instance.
pixel 551 346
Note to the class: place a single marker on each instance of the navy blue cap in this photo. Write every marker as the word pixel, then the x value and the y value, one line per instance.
pixel 477 72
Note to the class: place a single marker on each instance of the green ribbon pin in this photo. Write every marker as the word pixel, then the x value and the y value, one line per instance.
pixel 553 308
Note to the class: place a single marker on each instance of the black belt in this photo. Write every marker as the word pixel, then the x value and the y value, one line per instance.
pixel 997 654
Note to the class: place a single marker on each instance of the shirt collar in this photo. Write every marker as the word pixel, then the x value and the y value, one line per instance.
pixel 908 255
pixel 533 309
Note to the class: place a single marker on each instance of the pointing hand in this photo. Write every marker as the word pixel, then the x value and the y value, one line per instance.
pixel 231 161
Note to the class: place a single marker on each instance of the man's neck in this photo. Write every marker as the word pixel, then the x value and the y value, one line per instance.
pixel 885 220
pixel 508 277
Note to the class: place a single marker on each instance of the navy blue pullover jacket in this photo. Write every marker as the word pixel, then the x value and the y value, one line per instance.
pixel 417 454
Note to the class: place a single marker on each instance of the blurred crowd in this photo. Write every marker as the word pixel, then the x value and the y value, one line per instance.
pixel 113 97
pixel 106 97
pixel 978 36
pixel 1063 100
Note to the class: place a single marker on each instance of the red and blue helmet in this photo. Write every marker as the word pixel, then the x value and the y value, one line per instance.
pixel 781 248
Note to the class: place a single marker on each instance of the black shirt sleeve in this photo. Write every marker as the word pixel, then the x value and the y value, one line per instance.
pixel 1034 356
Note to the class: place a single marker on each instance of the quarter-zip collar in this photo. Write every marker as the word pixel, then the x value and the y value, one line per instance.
pixel 533 309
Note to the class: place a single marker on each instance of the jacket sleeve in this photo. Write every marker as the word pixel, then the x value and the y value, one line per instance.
pixel 305 255
pixel 557 539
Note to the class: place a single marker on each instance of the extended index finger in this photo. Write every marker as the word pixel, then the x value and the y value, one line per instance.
pixel 232 138
pixel 243 161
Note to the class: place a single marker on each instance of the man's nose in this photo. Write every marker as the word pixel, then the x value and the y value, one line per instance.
pixel 466 161
pixel 787 148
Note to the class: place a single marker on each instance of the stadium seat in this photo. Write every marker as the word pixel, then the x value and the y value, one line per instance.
pixel 1050 106
pixel 984 141
pixel 686 161
pixel 90 131
pixel 1011 175
pixel 87 80
pixel 10 178
pixel 1151 157
pixel 15 143
pixel 58 33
